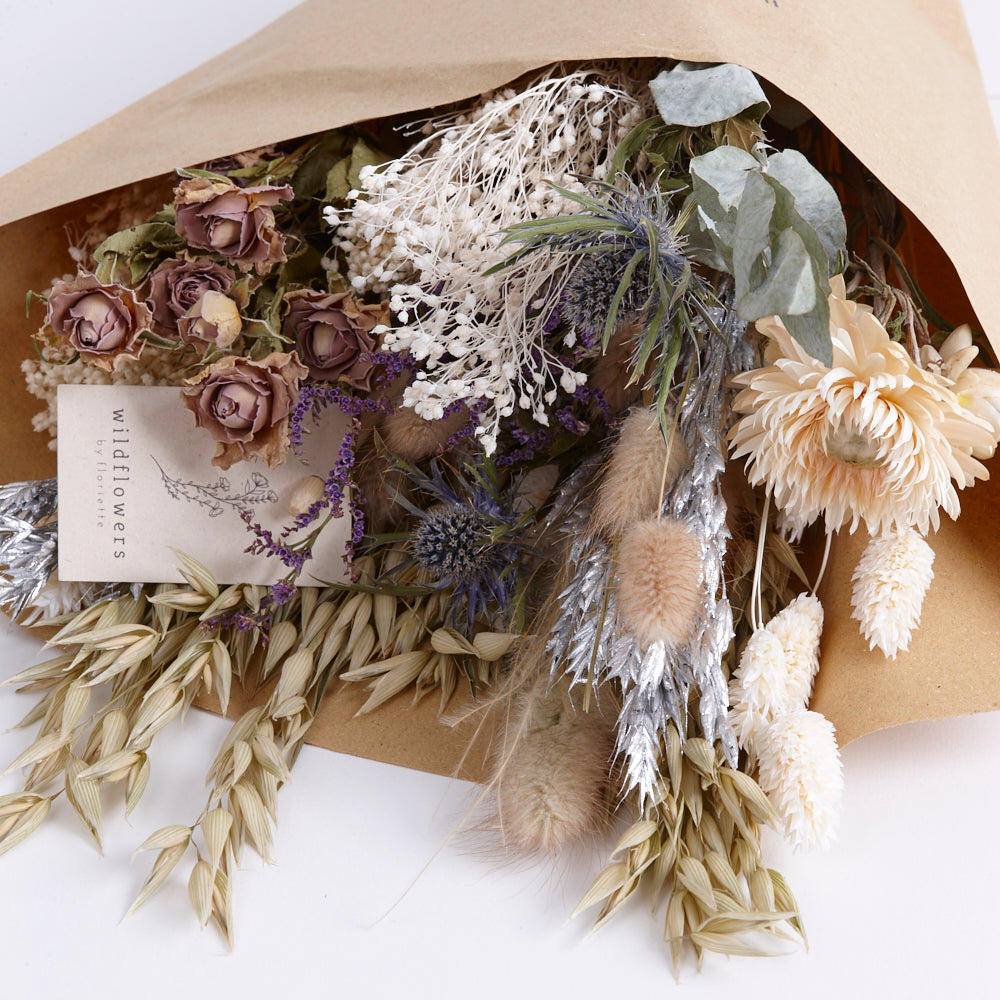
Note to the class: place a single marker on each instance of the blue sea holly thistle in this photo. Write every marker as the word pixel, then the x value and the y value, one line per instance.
pixel 466 539
pixel 626 264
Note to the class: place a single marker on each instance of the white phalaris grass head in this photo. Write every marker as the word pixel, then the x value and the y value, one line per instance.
pixel 776 669
pixel 758 689
pixel 660 581
pixel 872 438
pixel 890 582
pixel 801 772
pixel 798 628
pixel 977 389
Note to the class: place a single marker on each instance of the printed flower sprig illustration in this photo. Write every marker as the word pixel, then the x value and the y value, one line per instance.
pixel 219 495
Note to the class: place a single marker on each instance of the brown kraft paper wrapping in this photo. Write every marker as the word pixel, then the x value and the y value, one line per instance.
pixel 876 94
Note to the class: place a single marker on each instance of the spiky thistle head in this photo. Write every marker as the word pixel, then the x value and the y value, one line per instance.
pixel 627 263
pixel 466 539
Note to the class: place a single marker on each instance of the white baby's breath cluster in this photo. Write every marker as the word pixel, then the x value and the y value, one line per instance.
pixel 890 582
pixel 799 763
pixel 155 366
pixel 428 226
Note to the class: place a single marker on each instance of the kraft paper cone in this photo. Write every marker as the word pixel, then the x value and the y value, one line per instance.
pixel 877 97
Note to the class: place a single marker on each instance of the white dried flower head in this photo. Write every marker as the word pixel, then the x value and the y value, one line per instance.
pixel 758 689
pixel 798 627
pixel 59 597
pixel 873 438
pixel 661 590
pixel 890 582
pixel 977 389
pixel 641 465
pixel 801 772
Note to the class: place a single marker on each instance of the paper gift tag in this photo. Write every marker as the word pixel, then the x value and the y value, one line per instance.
pixel 137 485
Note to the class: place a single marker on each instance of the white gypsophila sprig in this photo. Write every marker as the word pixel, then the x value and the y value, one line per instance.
pixel 801 772
pixel 890 582
pixel 428 226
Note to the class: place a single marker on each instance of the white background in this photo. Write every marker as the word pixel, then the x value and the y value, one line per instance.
pixel 371 895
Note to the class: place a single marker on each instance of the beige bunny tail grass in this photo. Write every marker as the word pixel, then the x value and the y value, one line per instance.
pixel 552 772
pixel 640 467
pixel 660 588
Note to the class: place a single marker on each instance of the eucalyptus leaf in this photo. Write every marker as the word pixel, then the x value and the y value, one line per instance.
pixel 696 97
pixel 815 200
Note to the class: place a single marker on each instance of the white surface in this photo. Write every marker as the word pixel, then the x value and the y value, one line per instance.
pixel 370 896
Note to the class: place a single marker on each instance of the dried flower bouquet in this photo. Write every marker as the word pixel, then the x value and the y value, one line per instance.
pixel 608 344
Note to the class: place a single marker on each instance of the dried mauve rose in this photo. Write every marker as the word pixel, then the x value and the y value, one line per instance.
pixel 176 285
pixel 333 334
pixel 235 222
pixel 102 322
pixel 213 319
pixel 245 406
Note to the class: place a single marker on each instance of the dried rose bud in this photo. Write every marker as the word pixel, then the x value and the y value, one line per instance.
pixel 213 319
pixel 245 406
pixel 333 334
pixel 235 222
pixel 176 285
pixel 102 322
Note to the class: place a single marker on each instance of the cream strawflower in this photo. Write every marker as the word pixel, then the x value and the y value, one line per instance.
pixel 872 438
pixel 800 770
pixel 977 389
pixel 890 582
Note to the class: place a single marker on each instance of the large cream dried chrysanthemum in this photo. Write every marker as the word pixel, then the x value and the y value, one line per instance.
pixel 977 389
pixel 872 438
pixel 890 582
